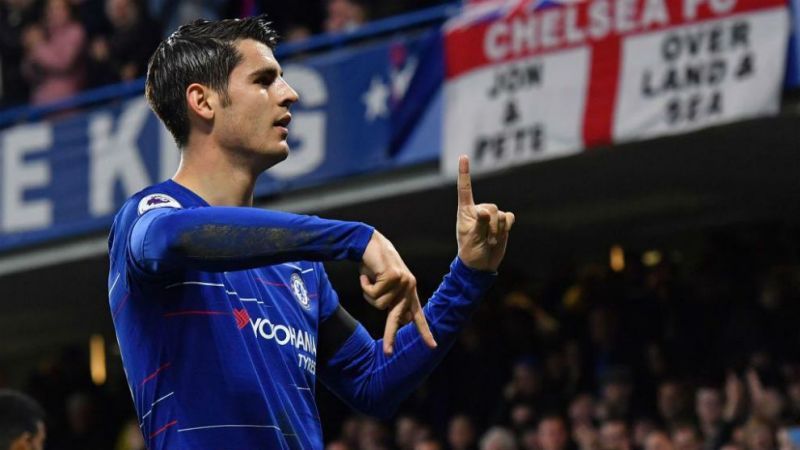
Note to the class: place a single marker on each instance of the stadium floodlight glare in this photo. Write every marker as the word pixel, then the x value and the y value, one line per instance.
pixel 651 258
pixel 616 258
pixel 97 359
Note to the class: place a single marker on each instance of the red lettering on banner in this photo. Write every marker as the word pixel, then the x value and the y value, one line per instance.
pixel 521 34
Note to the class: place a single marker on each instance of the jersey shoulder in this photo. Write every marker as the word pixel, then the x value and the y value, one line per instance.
pixel 167 194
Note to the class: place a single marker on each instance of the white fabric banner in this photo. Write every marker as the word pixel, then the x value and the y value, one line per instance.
pixel 534 79
pixel 694 76
pixel 525 110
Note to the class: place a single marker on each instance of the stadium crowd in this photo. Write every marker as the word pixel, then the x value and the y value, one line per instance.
pixel 670 353
pixel 53 49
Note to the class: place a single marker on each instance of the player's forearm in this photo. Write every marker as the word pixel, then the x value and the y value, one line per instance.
pixel 230 238
pixel 374 383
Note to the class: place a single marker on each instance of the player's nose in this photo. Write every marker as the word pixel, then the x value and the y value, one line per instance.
pixel 290 96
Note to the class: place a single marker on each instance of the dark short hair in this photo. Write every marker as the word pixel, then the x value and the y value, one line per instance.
pixel 200 52
pixel 18 414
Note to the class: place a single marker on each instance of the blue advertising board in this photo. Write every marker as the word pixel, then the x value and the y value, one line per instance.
pixel 362 109
pixel 793 58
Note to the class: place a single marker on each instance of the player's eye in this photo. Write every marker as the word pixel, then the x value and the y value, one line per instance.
pixel 265 81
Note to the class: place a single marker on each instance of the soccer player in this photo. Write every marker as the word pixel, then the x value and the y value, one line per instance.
pixel 223 312
pixel 21 422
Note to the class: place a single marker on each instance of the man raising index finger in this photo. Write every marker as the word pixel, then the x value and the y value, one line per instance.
pixel 223 312
pixel 482 230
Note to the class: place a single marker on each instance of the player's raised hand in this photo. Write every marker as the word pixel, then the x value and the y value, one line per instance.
pixel 388 283
pixel 481 230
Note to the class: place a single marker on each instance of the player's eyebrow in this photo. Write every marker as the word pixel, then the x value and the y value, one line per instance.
pixel 265 72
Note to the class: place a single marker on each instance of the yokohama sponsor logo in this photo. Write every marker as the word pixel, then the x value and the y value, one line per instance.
pixel 284 335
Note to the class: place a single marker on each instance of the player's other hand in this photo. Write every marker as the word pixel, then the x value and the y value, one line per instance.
pixel 481 230
pixel 388 284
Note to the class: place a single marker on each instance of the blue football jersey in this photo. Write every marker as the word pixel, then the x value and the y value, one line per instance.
pixel 218 360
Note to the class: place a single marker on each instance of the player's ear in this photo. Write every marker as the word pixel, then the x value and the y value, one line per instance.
pixel 201 100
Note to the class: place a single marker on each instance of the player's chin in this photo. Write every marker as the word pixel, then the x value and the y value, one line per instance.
pixel 277 152
pixel 282 150
pixel 273 156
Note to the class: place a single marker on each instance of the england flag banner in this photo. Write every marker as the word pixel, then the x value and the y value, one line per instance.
pixel 536 79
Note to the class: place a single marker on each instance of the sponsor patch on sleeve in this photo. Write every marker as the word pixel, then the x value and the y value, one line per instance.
pixel 154 201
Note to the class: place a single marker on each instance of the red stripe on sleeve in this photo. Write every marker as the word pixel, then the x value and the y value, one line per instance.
pixel 162 429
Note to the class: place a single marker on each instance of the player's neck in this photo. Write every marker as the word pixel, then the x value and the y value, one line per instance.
pixel 216 180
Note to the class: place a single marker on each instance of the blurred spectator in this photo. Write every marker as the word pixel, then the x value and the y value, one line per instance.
pixel 622 401
pixel 372 435
pixel 552 433
pixel 461 434
pixel 522 416
pixel 529 439
pixel 787 435
pixel 337 445
pixel 708 407
pixel 758 435
pixel 130 437
pixel 498 438
pixel 83 422
pixel 614 435
pixel 766 401
pixel 672 403
pixel 174 13
pixel 770 406
pixel 344 15
pixel 424 433
pixel 405 432
pixel 715 427
pixel 642 427
pixel 686 436
pixel 581 410
pixel 734 399
pixel 524 388
pixel 575 362
pixel 15 16
pixel 658 440
pixel 428 444
pixel 586 436
pixel 738 437
pixel 615 392
pixel 350 429
pixel 22 424
pixel 54 62
pixel 124 53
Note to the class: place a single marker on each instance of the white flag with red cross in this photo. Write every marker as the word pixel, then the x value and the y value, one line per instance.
pixel 536 79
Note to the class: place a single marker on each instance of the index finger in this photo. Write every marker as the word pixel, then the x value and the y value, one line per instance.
pixel 464 182
pixel 422 323
pixel 389 332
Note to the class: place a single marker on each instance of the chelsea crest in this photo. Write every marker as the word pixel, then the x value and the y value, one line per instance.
pixel 299 290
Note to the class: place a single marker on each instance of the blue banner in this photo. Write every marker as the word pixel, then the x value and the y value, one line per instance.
pixel 793 59
pixel 362 109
